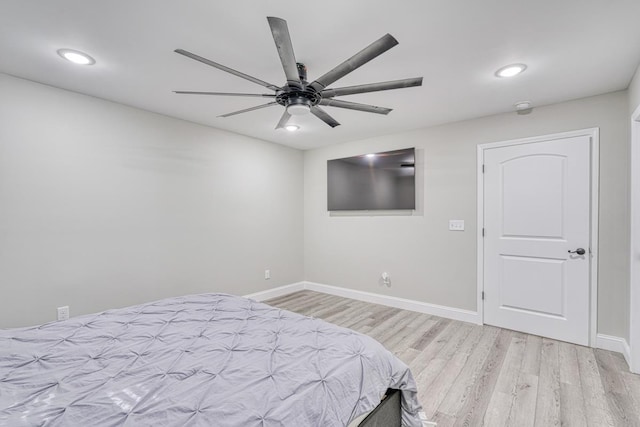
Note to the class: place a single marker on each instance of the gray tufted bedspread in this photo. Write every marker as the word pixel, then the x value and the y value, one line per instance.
pixel 200 360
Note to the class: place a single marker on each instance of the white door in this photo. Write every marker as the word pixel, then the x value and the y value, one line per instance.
pixel 536 216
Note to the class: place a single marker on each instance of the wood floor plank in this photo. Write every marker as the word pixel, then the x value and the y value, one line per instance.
pixel 443 420
pixel 451 337
pixel 506 388
pixel 568 359
pixel 284 298
pixel 347 318
pixel 465 378
pixel 620 403
pixel 391 326
pixel 572 410
pixel 548 400
pixel 473 410
pixel 334 307
pixel 459 392
pixel 428 336
pixel 531 361
pixel 306 300
pixel 572 407
pixel 407 355
pixel 523 410
pixel 632 382
pixel 596 405
pixel 437 376
pixel 412 330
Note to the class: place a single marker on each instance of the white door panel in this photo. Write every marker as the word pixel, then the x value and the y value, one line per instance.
pixel 537 204
pixel 539 216
pixel 535 285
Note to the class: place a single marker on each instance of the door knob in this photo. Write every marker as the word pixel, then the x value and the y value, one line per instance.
pixel 578 251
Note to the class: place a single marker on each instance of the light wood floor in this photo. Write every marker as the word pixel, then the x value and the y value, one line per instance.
pixel 470 375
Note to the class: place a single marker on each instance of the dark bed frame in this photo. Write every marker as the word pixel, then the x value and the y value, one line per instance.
pixel 387 413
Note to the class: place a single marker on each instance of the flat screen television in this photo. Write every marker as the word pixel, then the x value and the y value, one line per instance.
pixel 375 181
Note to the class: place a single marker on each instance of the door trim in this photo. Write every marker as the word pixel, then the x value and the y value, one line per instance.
pixel 634 250
pixel 594 134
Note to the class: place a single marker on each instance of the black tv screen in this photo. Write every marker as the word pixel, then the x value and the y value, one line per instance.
pixel 375 181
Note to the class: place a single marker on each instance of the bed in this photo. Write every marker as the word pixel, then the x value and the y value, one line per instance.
pixel 198 360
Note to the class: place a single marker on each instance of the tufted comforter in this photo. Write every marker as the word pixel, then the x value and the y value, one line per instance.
pixel 200 360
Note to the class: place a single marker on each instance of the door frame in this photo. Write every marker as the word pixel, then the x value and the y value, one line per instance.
pixel 634 250
pixel 594 134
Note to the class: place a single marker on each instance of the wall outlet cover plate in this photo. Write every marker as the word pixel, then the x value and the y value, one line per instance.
pixel 456 224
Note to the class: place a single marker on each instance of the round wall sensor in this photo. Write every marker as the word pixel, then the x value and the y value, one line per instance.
pixel 523 107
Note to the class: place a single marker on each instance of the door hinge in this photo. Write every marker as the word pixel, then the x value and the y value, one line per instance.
pixel 482 295
pixel 482 168
pixel 482 231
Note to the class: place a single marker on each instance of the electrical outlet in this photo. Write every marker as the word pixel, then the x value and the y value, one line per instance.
pixel 267 274
pixel 386 279
pixel 63 312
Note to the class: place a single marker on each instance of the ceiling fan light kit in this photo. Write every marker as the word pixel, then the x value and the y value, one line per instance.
pixel 298 106
pixel 300 97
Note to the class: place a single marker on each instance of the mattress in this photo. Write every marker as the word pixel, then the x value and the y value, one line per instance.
pixel 199 360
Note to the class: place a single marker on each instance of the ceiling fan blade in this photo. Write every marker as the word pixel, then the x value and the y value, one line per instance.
pixel 322 115
pixel 372 87
pixel 259 95
pixel 355 106
pixel 375 49
pixel 281 37
pixel 227 69
pixel 246 110
pixel 284 119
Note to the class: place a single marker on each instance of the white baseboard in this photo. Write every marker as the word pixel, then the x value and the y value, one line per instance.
pixel 405 304
pixel 617 344
pixel 277 292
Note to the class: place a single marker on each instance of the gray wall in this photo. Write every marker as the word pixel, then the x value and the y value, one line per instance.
pixel 431 264
pixel 634 91
pixel 104 206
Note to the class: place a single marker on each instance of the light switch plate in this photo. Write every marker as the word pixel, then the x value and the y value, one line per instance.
pixel 456 224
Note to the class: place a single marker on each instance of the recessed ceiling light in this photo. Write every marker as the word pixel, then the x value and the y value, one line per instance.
pixel 76 57
pixel 511 70
pixel 370 155
pixel 292 128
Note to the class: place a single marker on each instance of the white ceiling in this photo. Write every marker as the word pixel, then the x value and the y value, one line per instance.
pixel 573 48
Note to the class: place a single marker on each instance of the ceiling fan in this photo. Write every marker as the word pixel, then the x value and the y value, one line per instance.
pixel 300 97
